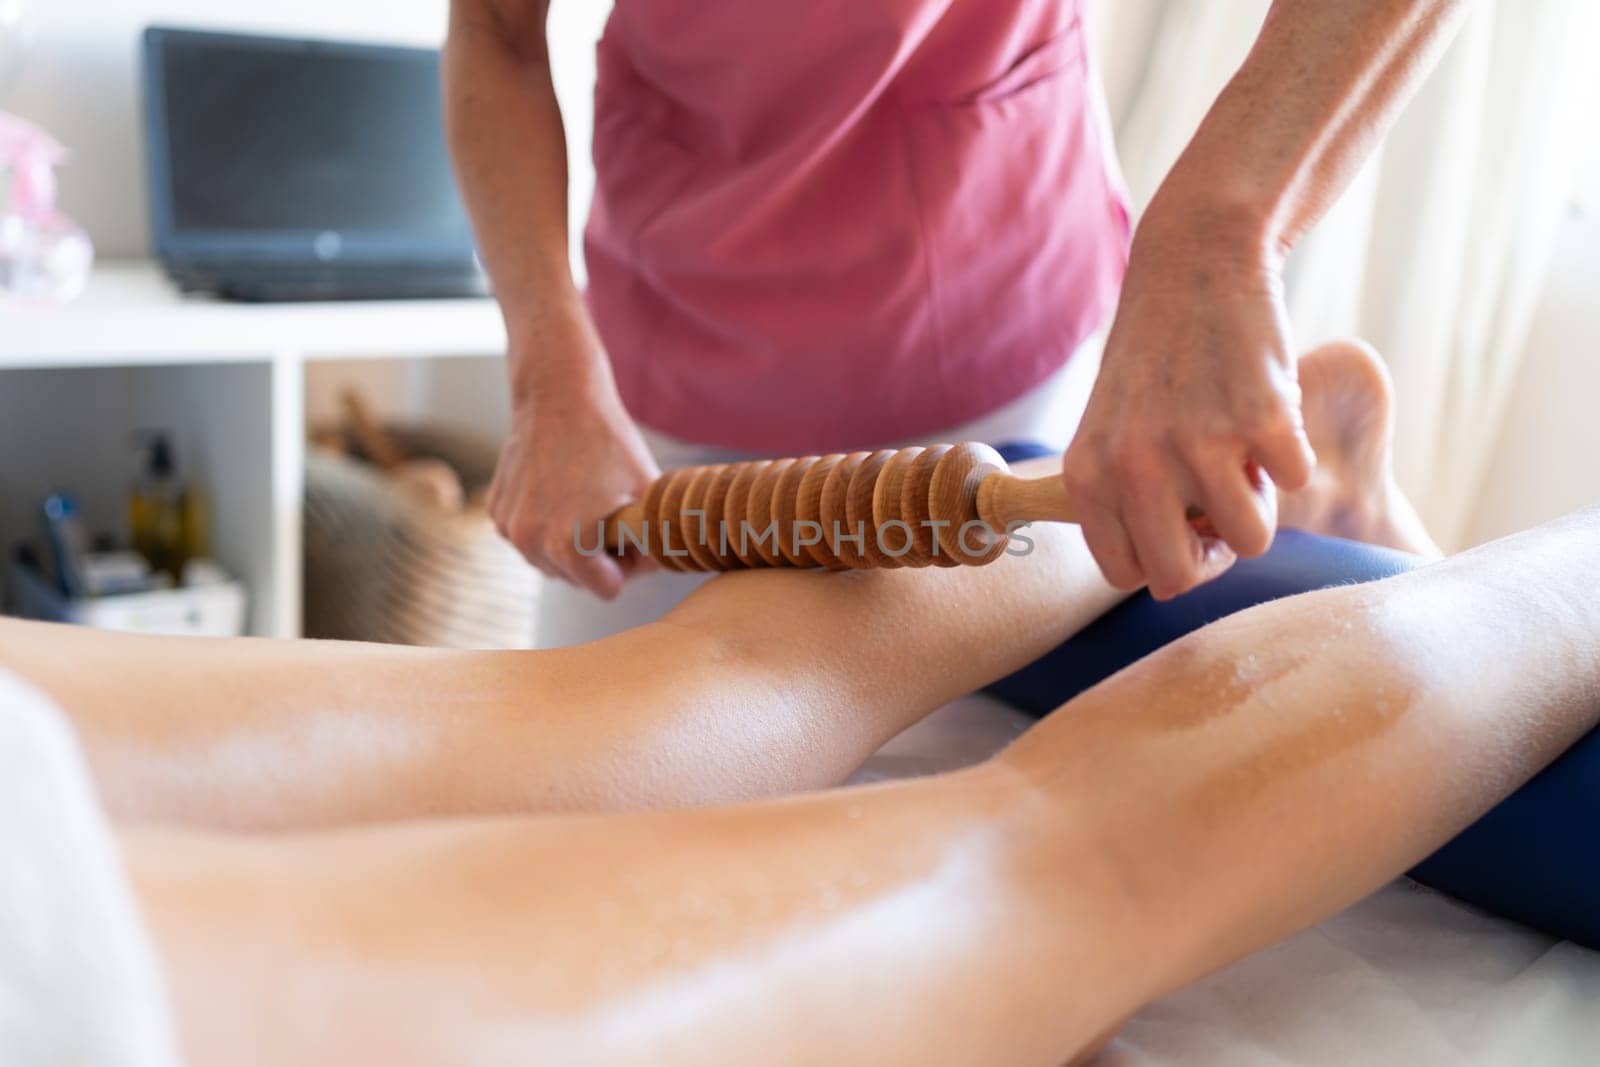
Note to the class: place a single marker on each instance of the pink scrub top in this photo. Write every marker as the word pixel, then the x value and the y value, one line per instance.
pixel 827 224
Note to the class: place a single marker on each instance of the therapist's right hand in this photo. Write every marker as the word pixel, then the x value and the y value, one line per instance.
pixel 574 456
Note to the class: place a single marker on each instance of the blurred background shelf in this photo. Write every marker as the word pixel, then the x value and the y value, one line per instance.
pixel 231 383
pixel 131 315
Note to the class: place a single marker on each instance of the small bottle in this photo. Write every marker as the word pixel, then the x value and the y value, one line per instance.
pixel 166 519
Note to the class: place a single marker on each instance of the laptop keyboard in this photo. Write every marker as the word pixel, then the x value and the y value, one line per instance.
pixel 282 284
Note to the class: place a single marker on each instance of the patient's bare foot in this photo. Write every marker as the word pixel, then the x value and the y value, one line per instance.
pixel 1349 413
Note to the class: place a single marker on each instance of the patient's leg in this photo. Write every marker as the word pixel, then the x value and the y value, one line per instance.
pixel 1241 784
pixel 761 683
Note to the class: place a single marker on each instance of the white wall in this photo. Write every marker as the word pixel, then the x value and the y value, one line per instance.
pixel 1121 38
pixel 80 81
pixel 1547 458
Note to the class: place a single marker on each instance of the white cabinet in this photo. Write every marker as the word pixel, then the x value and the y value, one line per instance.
pixel 228 380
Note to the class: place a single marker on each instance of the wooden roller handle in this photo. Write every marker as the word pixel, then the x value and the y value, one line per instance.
pixel 1006 501
pixel 628 517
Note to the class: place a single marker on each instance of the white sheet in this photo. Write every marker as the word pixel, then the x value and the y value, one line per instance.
pixel 1406 977
pixel 80 986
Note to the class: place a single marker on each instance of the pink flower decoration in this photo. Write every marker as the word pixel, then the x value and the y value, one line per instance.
pixel 31 155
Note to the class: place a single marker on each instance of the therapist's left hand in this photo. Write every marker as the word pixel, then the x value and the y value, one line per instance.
pixel 1197 406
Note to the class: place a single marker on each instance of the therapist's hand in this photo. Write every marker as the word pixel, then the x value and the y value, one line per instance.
pixel 1197 405
pixel 573 456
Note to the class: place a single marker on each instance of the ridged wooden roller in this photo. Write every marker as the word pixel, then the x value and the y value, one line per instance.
pixel 946 506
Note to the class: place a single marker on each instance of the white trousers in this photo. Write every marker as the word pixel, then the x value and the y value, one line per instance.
pixel 1047 414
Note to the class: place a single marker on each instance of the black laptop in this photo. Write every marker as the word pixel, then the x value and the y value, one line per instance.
pixel 286 169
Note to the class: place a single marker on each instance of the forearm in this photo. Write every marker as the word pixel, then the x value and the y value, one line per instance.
pixel 509 148
pixel 1199 389
pixel 1321 86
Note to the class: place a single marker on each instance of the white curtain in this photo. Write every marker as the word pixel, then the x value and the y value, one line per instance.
pixel 1437 253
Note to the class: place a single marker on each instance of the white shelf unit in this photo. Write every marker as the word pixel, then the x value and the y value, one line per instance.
pixel 227 379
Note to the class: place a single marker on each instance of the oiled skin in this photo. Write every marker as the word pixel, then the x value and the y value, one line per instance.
pixel 1200 805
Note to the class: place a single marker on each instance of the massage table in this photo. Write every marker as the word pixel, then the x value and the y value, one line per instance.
pixel 1407 976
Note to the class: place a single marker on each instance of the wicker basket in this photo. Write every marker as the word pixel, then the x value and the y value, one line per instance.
pixel 383 565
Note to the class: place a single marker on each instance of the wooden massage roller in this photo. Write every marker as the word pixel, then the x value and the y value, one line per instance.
pixel 946 505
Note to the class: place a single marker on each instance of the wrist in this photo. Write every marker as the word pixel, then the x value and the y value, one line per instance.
pixel 1192 253
pixel 1230 225
pixel 566 391
pixel 555 358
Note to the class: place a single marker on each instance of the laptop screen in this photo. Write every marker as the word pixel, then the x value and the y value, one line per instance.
pixel 284 148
